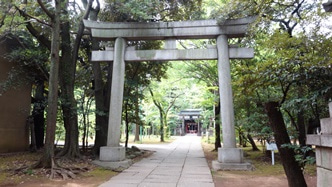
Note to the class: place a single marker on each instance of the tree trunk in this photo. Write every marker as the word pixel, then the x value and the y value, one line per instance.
pixel 67 82
pixel 31 125
pixel 47 159
pixel 38 114
pixel 161 126
pixel 84 135
pixel 241 137
pixel 68 102
pixel 127 124
pixel 137 126
pixel 252 142
pixel 161 116
pixel 301 128
pixel 292 169
pixel 102 95
pixel 217 142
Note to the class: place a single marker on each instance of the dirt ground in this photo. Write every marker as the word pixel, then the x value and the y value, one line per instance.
pixel 263 176
pixel 250 178
pixel 10 176
pixel 226 179
pixel 92 176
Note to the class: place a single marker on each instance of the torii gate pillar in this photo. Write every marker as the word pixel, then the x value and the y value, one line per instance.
pixel 229 157
pixel 113 155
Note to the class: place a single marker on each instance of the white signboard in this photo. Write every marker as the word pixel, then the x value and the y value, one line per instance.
pixel 271 146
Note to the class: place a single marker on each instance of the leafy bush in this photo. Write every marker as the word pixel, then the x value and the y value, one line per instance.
pixel 302 155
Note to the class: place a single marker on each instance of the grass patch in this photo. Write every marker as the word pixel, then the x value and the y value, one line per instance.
pixel 100 172
pixel 261 161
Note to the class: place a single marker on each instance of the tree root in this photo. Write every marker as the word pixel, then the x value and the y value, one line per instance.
pixel 65 173
pixel 54 172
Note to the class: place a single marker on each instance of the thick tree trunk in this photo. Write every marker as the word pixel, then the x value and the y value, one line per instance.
pixel 217 142
pixel 102 95
pixel 67 82
pixel 68 102
pixel 292 169
pixel 38 114
pixel 47 159
pixel 71 147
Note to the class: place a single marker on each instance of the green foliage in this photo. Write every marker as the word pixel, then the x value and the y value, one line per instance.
pixel 152 10
pixel 28 60
pixel 292 63
pixel 301 154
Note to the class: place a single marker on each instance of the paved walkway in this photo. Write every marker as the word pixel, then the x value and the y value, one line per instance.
pixel 178 164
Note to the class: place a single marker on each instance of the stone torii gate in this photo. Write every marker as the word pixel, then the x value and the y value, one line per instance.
pixel 229 157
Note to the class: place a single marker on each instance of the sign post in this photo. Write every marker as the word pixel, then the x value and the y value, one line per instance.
pixel 271 147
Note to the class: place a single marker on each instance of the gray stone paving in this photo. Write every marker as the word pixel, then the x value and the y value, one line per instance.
pixel 178 164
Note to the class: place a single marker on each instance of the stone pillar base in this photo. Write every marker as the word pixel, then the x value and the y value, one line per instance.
pixel 230 155
pixel 116 166
pixel 113 158
pixel 216 165
pixel 230 159
pixel 112 154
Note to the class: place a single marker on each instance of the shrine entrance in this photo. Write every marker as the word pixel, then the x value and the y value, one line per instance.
pixel 191 127
pixel 190 121
pixel 229 157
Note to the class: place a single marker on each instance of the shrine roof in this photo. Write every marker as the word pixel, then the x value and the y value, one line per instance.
pixel 190 112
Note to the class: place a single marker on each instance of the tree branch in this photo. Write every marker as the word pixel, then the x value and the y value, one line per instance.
pixel 24 14
pixel 284 91
pixel 80 31
pixel 292 119
pixel 154 101
pixel 48 13
pixel 41 38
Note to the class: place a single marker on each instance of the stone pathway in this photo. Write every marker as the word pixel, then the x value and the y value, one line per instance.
pixel 178 164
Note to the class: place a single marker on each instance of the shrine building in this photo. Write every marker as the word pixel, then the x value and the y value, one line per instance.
pixel 190 121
